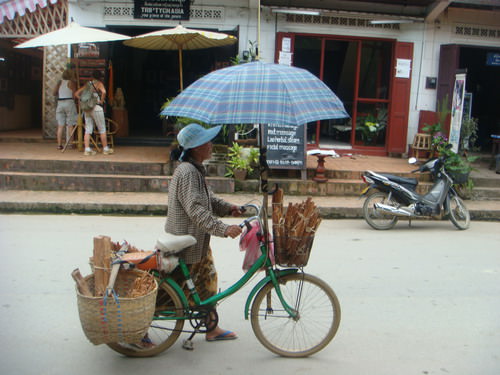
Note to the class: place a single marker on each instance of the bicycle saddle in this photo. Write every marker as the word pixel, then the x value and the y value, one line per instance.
pixel 170 244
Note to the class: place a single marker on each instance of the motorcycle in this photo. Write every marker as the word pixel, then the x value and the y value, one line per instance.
pixel 391 197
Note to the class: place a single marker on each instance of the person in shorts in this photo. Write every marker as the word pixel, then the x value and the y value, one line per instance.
pixel 66 114
pixel 95 116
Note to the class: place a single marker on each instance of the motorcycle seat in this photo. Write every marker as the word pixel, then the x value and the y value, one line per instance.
pixel 412 182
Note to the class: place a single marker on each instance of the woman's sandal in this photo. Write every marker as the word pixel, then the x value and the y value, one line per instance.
pixel 227 335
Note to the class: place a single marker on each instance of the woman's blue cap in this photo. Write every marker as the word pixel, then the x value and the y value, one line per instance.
pixel 194 135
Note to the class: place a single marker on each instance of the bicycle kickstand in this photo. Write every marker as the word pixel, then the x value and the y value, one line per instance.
pixel 188 344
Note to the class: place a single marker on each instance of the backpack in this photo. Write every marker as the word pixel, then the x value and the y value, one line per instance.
pixel 89 97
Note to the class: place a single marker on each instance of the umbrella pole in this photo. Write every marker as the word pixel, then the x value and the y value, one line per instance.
pixel 264 174
pixel 180 69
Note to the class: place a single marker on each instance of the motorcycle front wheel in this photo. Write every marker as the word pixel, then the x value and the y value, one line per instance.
pixel 377 218
pixel 459 214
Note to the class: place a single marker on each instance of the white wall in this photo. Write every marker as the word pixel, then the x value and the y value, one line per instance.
pixel 427 37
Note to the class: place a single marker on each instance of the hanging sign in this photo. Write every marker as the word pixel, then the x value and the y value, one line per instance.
pixel 285 146
pixel 162 9
pixel 493 59
pixel 457 107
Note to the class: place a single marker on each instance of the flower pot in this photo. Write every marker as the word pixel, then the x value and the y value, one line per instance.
pixel 240 174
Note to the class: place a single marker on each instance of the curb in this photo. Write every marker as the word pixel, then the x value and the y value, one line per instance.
pixel 144 209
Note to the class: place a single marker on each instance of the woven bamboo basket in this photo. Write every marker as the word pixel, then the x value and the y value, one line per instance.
pixel 291 251
pixel 121 319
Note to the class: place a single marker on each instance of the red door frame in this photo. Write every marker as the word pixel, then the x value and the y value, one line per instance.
pixel 399 91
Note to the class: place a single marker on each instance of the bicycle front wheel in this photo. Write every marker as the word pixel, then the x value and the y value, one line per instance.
pixel 316 323
pixel 165 328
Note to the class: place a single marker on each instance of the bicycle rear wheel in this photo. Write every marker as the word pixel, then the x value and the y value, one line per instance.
pixel 314 327
pixel 164 329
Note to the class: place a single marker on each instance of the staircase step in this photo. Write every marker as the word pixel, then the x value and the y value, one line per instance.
pixel 83 167
pixel 97 182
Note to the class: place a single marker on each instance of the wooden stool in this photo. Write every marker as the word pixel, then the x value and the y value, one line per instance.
pixel 421 142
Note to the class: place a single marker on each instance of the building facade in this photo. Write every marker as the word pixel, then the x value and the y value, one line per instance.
pixel 390 62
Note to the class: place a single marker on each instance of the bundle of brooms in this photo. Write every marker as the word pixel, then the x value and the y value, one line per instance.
pixel 293 230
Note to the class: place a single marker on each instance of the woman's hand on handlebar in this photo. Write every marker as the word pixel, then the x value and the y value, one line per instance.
pixel 233 231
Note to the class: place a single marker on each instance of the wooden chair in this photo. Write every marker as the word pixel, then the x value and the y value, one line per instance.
pixel 111 128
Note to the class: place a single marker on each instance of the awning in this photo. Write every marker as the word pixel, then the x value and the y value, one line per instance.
pixel 9 8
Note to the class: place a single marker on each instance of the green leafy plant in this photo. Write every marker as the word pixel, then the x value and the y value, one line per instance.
pixel 370 126
pixel 241 158
pixel 458 167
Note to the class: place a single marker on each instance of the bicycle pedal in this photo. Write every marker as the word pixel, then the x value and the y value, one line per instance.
pixel 188 345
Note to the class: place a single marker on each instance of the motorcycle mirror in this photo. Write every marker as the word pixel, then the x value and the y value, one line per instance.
pixel 412 160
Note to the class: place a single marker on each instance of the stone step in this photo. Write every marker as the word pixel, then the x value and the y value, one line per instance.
pixel 97 182
pixel 82 167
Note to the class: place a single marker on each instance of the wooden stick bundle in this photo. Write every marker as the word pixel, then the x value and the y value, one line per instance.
pixel 294 229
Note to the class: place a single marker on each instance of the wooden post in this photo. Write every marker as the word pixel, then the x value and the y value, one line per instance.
pixel 102 263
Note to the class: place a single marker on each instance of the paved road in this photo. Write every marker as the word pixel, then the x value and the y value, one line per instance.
pixel 421 300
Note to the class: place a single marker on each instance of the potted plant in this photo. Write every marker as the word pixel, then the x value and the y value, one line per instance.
pixel 370 127
pixel 241 161
pixel 458 167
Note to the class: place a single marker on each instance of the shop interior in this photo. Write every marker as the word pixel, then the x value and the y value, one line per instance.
pixel 482 83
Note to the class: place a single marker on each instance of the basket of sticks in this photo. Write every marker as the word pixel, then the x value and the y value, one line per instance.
pixel 123 316
pixel 121 313
pixel 293 230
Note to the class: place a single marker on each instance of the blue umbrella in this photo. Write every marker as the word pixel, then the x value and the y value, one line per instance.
pixel 258 93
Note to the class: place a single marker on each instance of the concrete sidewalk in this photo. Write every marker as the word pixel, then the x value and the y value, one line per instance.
pixel 119 203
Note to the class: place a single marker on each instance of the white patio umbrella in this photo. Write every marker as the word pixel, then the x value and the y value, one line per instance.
pixel 72 34
pixel 180 38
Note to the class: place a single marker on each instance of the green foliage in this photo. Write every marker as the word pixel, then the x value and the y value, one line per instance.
pixel 457 166
pixel 370 126
pixel 243 158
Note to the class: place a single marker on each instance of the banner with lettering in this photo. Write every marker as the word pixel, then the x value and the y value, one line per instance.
pixel 162 9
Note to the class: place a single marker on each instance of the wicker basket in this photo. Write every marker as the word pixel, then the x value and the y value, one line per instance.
pixel 292 251
pixel 117 319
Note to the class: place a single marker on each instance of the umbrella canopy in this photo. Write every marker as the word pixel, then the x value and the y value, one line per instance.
pixel 180 38
pixel 258 93
pixel 72 34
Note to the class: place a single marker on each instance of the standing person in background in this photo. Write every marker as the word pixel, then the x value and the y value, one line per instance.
pixel 95 115
pixel 66 114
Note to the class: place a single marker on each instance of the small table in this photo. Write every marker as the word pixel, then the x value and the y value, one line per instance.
pixel 320 169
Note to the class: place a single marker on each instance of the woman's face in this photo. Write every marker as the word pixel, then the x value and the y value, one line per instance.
pixel 203 152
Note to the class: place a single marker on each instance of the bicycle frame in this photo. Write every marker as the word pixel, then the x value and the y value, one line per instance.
pixel 264 260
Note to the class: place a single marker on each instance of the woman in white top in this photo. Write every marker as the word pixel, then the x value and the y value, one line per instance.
pixel 66 109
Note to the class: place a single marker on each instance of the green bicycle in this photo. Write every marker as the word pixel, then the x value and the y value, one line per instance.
pixel 292 313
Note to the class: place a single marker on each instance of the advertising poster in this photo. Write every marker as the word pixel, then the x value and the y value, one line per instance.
pixel 457 106
pixel 285 146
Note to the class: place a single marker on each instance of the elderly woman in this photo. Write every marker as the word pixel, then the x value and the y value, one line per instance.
pixel 192 209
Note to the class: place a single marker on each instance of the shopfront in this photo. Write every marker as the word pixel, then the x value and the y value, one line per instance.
pixel 370 76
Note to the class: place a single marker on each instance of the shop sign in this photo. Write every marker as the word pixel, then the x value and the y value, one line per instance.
pixel 162 9
pixel 285 146
pixel 493 59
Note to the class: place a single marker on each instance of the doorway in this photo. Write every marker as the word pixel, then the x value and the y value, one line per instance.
pixel 148 78
pixel 358 71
